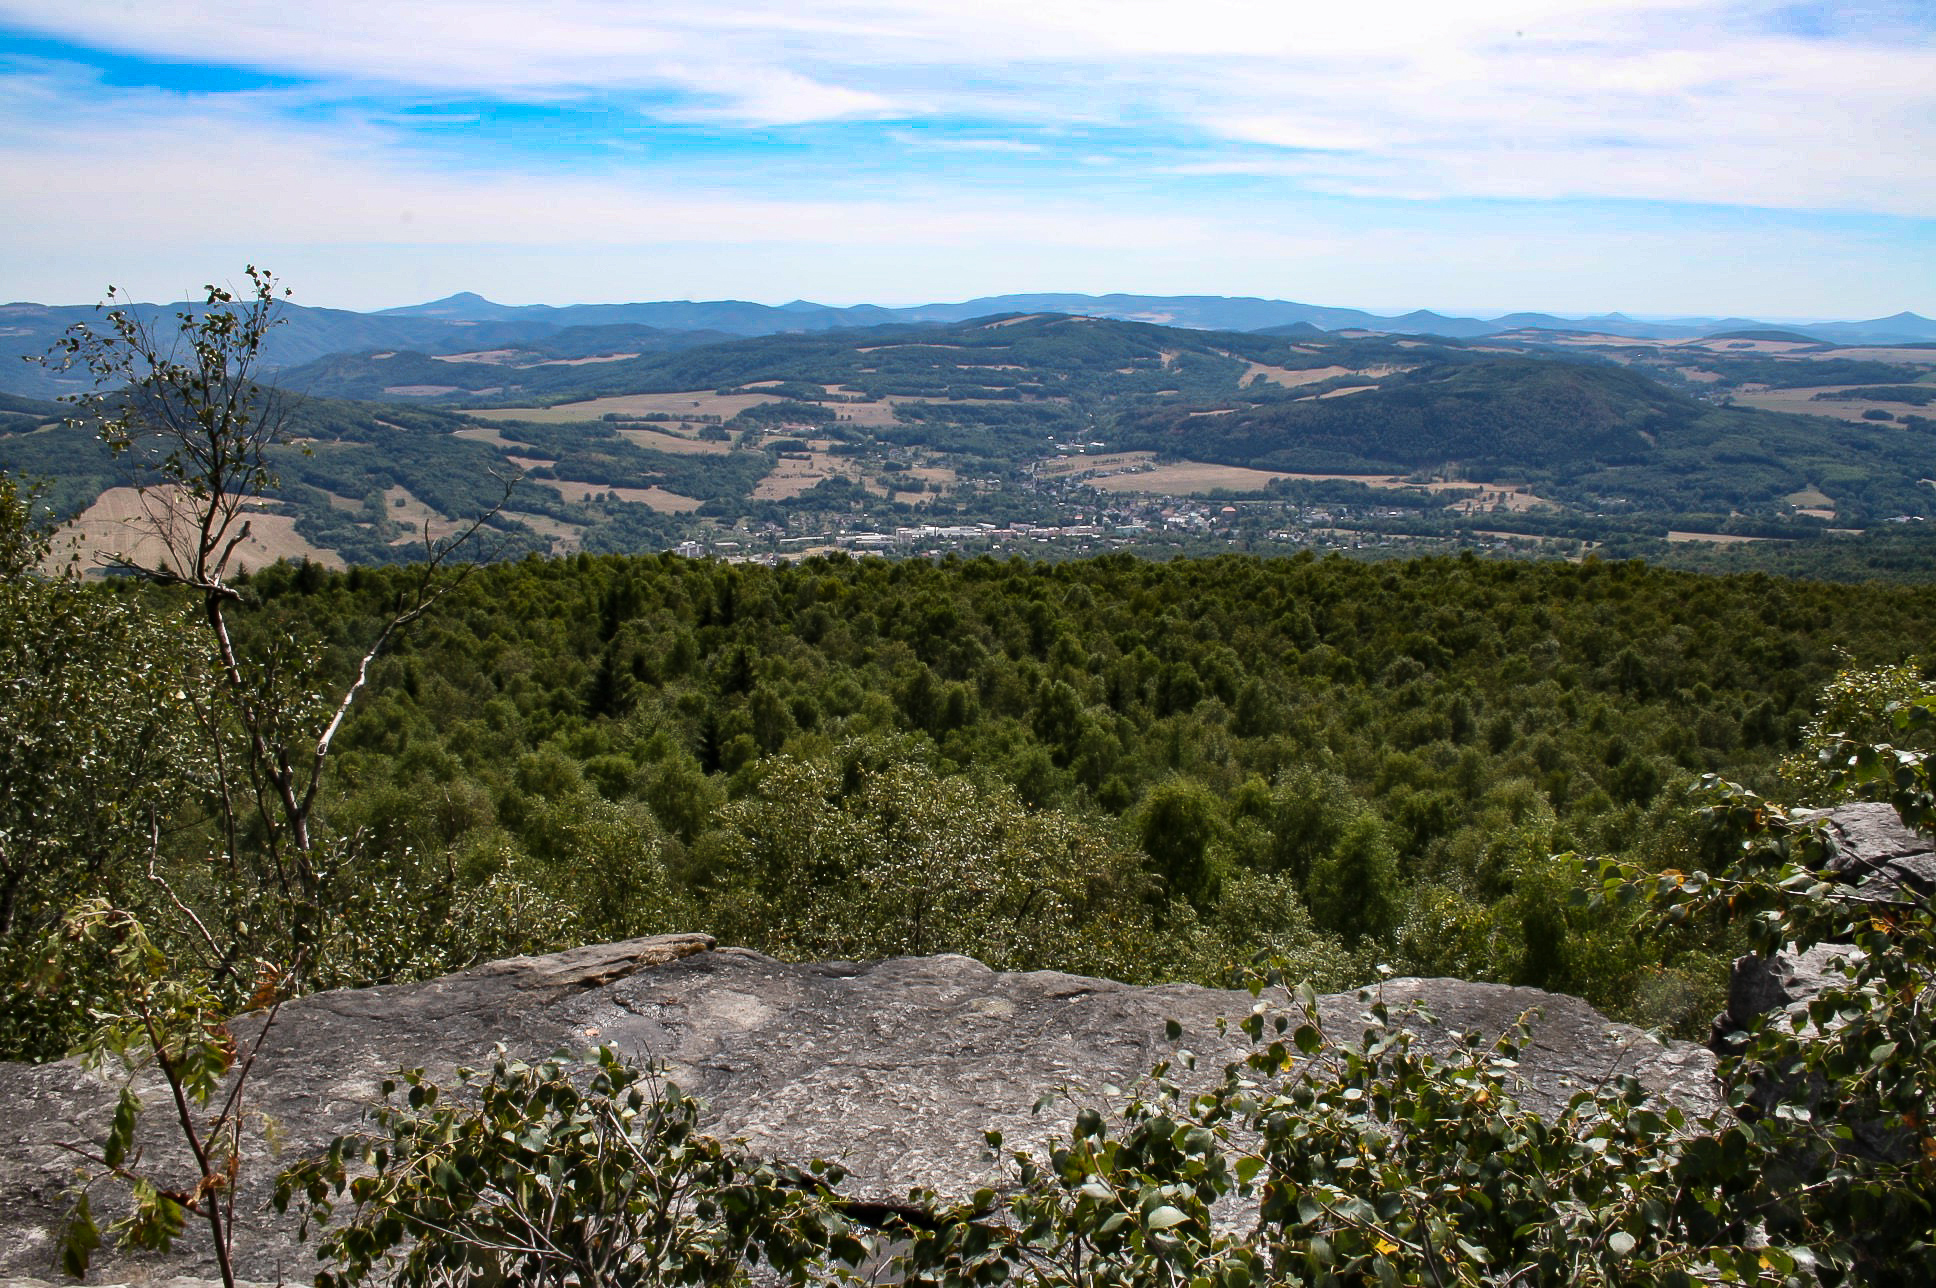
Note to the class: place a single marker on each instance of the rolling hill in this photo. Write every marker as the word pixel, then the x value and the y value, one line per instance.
pixel 633 437
pixel 469 323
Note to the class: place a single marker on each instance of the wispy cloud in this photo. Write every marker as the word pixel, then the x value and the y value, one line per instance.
pixel 1209 128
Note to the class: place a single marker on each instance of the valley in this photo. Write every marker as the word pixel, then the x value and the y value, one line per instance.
pixel 937 436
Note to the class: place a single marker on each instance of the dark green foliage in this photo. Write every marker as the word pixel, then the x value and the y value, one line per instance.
pixel 1915 395
pixel 1179 822
pixel 1500 418
pixel 1356 762
pixel 1776 373
pixel 1402 744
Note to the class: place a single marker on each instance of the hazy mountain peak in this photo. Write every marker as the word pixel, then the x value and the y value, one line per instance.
pixel 463 306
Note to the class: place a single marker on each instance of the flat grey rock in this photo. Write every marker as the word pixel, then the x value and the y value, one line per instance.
pixel 1877 854
pixel 894 1069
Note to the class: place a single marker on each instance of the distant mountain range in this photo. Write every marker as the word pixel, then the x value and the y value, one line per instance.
pixel 467 323
pixel 1198 312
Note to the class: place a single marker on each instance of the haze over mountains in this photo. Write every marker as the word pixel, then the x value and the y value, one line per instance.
pixel 466 322
pixel 1201 312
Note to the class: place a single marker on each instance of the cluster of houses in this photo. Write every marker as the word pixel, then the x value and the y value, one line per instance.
pixel 1116 526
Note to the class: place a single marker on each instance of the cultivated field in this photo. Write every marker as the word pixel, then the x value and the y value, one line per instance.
pixel 794 474
pixel 694 402
pixel 413 514
pixel 564 537
pixel 656 497
pixel 1186 478
pixel 1908 357
pixel 1812 501
pixel 1713 538
pixel 1107 462
pixel 124 521
pixel 667 439
pixel 874 415
pixel 510 357
pixel 1509 496
pixel 1291 379
pixel 1802 401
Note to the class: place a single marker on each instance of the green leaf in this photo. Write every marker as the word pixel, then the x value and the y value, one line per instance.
pixel 1164 1217
pixel 121 1136
pixel 1621 1242
pixel 79 1239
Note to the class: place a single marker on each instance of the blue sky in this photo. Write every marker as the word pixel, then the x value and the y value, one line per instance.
pixel 1651 156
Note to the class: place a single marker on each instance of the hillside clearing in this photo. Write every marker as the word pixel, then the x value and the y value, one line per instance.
pixel 690 402
pixel 657 498
pixel 127 522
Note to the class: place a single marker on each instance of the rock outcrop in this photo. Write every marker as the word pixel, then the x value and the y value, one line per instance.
pixel 1880 860
pixel 894 1068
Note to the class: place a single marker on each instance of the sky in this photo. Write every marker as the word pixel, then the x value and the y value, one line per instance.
pixel 1657 157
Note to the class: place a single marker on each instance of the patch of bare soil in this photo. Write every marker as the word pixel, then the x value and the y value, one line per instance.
pixel 486 357
pixel 483 434
pixel 424 523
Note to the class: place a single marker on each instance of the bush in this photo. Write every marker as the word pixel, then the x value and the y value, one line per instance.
pixel 563 1171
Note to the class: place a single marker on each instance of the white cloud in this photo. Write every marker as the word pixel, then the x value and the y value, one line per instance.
pixel 155 193
pixel 159 170
pixel 1678 100
pixel 941 142
pixel 1520 101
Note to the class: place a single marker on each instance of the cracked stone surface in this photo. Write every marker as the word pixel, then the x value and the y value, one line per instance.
pixel 894 1068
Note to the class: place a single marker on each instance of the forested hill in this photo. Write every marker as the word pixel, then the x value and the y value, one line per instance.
pixel 1011 357
pixel 1597 430
pixel 1493 416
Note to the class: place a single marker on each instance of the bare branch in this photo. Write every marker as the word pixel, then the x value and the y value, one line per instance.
pixel 424 595
pixel 154 856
